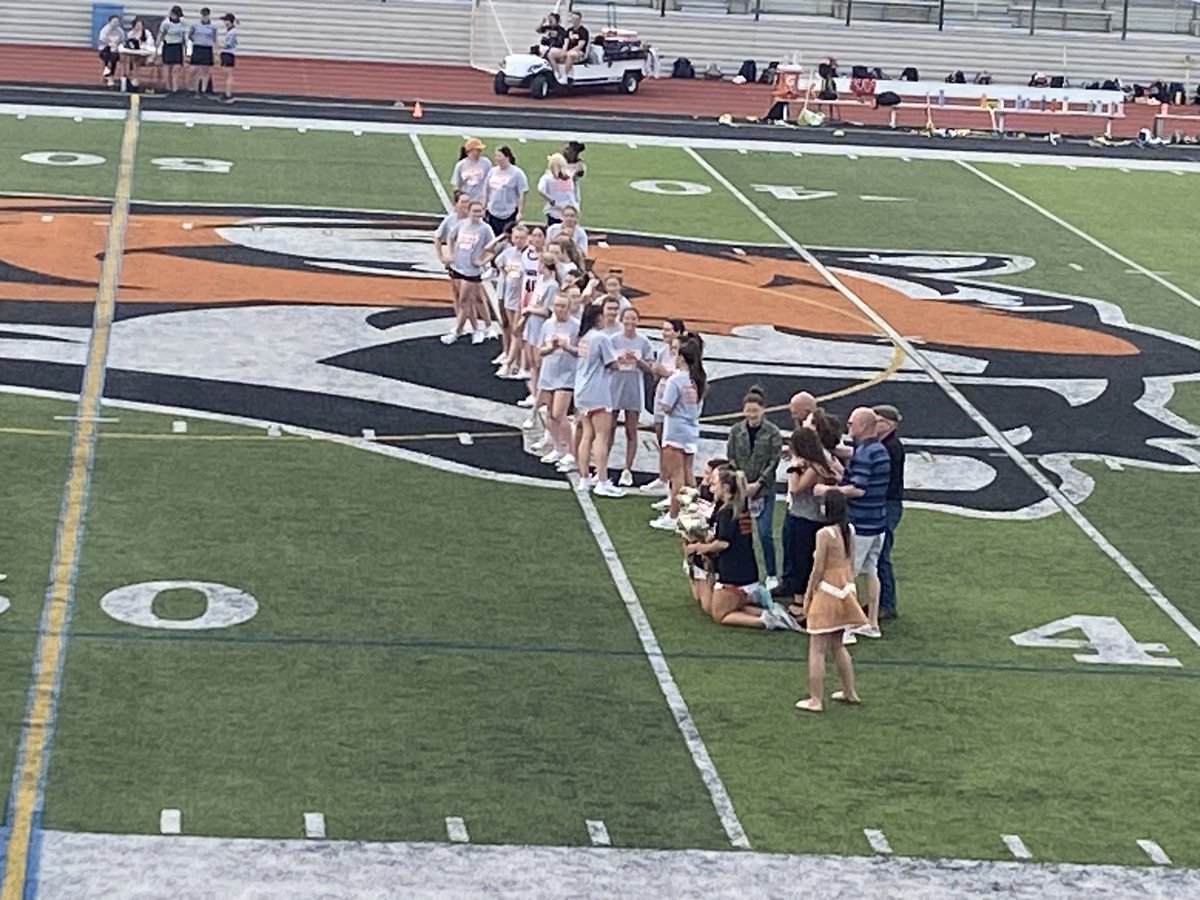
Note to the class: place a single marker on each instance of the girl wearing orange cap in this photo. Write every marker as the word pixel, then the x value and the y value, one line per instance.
pixel 471 170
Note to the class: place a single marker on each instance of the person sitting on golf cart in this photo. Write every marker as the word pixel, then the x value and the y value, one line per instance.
pixel 553 35
pixel 576 47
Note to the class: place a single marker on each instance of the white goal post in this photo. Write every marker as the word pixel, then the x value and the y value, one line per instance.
pixel 504 27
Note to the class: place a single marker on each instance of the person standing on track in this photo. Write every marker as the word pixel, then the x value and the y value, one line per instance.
pixel 593 402
pixel 662 368
pixel 203 36
pixel 682 404
pixel 506 187
pixel 171 37
pixel 229 49
pixel 889 418
pixel 831 601
pixel 634 355
pixel 468 242
pixel 754 446
pixel 557 188
pixel 471 171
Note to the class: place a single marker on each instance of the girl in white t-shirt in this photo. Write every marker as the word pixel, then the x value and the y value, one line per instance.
pixel 682 403
pixel 662 368
pixel 556 382
pixel 441 240
pixel 471 170
pixel 536 312
pixel 509 272
pixel 634 355
pixel 557 188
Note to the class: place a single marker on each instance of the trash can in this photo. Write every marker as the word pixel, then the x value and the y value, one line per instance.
pixel 101 13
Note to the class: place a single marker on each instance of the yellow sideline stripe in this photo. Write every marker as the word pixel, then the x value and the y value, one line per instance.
pixel 36 729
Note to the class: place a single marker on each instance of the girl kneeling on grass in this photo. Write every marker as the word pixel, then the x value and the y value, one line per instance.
pixel 831 603
pixel 736 585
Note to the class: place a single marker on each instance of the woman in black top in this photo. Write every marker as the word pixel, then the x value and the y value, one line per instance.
pixel 552 32
pixel 737 568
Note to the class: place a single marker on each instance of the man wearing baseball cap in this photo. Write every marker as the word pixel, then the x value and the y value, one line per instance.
pixel 888 417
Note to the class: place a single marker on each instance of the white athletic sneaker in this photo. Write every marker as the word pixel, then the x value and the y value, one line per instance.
pixel 661 505
pixel 552 457
pixel 526 403
pixel 479 336
pixel 587 482
pixel 771 583
pixel 524 374
pixel 450 337
pixel 499 360
pixel 528 424
pixel 871 631
pixel 566 464
pixel 510 374
pixel 606 488
pixel 663 523
pixel 626 479
pixel 493 332
pixel 657 486
pixel 544 443
pixel 848 638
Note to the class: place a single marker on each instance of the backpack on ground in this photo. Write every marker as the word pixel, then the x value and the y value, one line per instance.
pixel 749 71
pixel 713 72
pixel 910 74
pixel 887 98
pixel 683 68
pixel 770 73
pixel 828 89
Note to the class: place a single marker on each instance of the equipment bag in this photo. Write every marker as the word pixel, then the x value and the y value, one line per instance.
pixel 683 68
pixel 749 71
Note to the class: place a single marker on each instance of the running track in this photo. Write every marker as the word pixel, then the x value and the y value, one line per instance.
pixel 449 85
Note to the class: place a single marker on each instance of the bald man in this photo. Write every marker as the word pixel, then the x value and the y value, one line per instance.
pixel 865 484
pixel 801 406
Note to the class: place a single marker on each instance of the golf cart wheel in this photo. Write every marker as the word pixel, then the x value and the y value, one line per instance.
pixel 630 82
pixel 539 87
pixel 500 84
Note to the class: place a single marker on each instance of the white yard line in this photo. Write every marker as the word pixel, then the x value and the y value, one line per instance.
pixel 1157 855
pixel 1016 846
pixel 599 137
pixel 1131 265
pixel 598 833
pixel 982 422
pixel 721 800
pixel 878 841
pixel 314 825
pixel 170 821
pixel 456 830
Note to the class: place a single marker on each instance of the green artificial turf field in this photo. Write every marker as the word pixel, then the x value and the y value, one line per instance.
pixel 432 643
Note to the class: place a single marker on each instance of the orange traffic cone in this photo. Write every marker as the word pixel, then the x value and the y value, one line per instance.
pixel 417 111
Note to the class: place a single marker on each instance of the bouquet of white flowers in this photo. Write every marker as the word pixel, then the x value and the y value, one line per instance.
pixel 692 523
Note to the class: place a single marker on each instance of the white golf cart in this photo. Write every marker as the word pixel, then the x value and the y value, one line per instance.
pixel 617 59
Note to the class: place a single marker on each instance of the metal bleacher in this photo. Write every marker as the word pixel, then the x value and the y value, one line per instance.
pixel 978 34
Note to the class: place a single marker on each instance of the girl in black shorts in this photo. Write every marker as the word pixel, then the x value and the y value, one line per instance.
pixel 229 49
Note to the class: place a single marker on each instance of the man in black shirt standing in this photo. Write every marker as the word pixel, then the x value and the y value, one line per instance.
pixel 888 418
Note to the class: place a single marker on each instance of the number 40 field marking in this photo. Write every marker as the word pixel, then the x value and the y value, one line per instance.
pixel 1110 642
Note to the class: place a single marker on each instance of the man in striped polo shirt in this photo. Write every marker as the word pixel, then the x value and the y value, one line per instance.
pixel 865 485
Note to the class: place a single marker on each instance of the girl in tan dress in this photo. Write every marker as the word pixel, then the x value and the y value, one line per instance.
pixel 831 602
